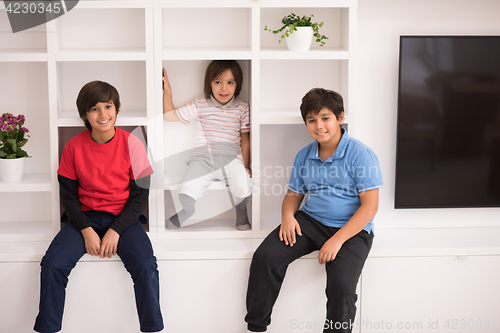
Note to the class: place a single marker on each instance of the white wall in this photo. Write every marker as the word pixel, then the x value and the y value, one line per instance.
pixel 380 23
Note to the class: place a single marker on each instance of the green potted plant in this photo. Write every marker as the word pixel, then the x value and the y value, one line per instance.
pixel 13 136
pixel 299 32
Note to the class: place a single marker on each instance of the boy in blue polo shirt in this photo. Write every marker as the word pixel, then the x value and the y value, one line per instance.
pixel 338 179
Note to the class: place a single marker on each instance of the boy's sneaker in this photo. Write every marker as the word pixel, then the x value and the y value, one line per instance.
pixel 171 226
pixel 244 227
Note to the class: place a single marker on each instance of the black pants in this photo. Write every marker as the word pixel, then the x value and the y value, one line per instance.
pixel 270 262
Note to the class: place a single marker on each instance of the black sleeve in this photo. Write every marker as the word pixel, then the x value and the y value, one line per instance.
pixel 68 189
pixel 135 206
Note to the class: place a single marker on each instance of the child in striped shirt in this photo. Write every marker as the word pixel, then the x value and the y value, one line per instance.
pixel 222 143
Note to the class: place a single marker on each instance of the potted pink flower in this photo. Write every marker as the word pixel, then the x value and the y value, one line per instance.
pixel 13 136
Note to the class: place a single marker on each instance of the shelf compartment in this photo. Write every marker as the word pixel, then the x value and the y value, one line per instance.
pixel 23 231
pixel 214 211
pixel 279 146
pixel 333 27
pixel 31 182
pixel 29 77
pixel 186 28
pixel 187 80
pixel 292 79
pixel 18 223
pixel 72 76
pixel 31 42
pixel 105 29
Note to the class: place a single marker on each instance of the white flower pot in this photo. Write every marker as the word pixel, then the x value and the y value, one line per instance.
pixel 11 170
pixel 300 40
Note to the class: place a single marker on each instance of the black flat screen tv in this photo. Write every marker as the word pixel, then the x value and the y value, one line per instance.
pixel 448 128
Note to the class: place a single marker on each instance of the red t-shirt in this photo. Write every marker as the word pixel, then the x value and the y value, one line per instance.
pixel 104 171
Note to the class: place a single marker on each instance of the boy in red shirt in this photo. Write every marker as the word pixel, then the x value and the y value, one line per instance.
pixel 104 177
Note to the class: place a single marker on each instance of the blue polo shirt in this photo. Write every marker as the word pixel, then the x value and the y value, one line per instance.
pixel 332 187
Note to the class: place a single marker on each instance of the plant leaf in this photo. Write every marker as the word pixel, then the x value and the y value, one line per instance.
pixel 12 143
pixel 21 153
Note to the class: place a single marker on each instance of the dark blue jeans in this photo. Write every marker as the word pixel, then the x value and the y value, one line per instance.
pixel 270 262
pixel 136 253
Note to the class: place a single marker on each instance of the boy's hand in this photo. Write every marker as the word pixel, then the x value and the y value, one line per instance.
pixel 166 84
pixel 287 230
pixel 329 250
pixel 92 241
pixel 109 244
pixel 168 104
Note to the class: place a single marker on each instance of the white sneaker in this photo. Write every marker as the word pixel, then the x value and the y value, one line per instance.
pixel 171 226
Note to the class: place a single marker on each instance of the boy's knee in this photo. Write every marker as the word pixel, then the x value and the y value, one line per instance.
pixel 340 288
pixel 263 257
pixel 54 264
pixel 139 265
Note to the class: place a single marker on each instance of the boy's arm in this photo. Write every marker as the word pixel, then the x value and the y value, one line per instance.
pixel 289 224
pixel 363 215
pixel 245 150
pixel 169 113
pixel 69 198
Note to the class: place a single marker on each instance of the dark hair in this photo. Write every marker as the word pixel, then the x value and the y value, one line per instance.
pixel 318 98
pixel 95 92
pixel 216 68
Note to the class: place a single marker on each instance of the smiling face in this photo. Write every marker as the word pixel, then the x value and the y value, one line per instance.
pixel 223 87
pixel 102 118
pixel 324 127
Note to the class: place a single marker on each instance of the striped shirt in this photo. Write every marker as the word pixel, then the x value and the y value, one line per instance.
pixel 219 127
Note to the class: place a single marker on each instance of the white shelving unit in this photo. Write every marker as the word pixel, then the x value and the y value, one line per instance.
pixel 126 43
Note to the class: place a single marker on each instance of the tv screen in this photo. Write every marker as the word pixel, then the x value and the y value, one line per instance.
pixel 448 129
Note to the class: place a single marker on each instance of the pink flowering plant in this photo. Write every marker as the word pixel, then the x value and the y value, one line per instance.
pixel 13 136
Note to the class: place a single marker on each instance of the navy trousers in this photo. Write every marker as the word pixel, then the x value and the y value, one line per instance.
pixel 270 262
pixel 136 253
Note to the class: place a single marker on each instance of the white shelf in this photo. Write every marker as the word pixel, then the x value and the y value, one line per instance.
pixel 101 55
pixel 243 248
pixel 118 4
pixel 23 56
pixel 31 182
pixel 203 3
pixel 308 4
pixel 207 53
pixel 210 225
pixel 214 186
pixel 283 54
pixel 280 117
pixel 19 231
pixel 283 117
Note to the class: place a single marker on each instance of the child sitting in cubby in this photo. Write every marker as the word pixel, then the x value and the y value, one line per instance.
pixel 104 177
pixel 222 144
pixel 338 178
